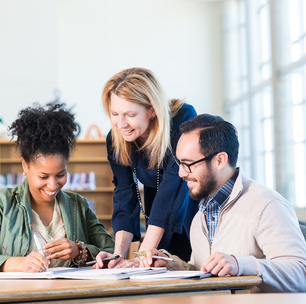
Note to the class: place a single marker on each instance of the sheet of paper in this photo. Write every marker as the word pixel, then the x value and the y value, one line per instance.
pixel 84 273
pixel 87 273
pixel 172 275
pixel 32 275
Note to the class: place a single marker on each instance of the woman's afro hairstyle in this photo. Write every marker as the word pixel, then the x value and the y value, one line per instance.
pixel 44 132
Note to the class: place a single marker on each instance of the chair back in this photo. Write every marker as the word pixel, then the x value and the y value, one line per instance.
pixel 303 229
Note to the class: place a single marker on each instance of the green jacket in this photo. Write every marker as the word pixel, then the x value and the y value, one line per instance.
pixel 80 222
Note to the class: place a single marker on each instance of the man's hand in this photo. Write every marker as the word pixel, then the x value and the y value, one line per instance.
pixel 149 261
pixel 221 264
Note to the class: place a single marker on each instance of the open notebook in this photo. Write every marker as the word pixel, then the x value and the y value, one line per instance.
pixel 88 273
pixel 85 273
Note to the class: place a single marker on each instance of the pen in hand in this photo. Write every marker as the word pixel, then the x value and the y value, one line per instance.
pixel 114 257
pixel 39 248
pixel 157 257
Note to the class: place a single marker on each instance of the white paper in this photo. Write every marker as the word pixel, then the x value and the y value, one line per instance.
pixel 84 273
pixel 32 275
pixel 172 275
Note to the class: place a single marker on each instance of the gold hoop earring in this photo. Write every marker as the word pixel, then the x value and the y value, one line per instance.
pixel 24 173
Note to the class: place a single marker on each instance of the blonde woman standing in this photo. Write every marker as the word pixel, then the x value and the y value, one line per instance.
pixel 141 146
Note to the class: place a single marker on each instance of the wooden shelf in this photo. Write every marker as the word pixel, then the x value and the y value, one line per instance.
pixel 91 141
pixel 88 160
pixel 104 217
pixel 98 189
pixel 10 160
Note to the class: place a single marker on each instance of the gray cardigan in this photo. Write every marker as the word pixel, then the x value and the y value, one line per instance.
pixel 260 228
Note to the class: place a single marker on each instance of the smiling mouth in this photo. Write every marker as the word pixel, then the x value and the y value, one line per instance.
pixel 50 193
pixel 127 132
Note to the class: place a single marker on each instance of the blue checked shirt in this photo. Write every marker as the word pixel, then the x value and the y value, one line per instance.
pixel 212 206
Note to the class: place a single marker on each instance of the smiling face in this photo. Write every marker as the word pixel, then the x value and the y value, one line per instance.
pixel 202 181
pixel 131 119
pixel 46 177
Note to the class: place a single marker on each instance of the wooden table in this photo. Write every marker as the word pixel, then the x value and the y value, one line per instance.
pixel 60 289
pixel 270 298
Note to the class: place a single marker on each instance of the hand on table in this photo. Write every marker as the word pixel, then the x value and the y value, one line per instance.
pixel 149 261
pixel 132 263
pixel 62 249
pixel 221 264
pixel 106 264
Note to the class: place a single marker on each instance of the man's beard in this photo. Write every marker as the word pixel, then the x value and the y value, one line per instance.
pixel 207 185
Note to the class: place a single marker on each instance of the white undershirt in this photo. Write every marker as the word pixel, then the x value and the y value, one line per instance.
pixel 54 231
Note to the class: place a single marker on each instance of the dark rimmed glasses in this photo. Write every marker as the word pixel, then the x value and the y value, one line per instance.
pixel 187 168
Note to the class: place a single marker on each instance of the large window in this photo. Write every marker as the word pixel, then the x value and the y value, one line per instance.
pixel 298 90
pixel 264 64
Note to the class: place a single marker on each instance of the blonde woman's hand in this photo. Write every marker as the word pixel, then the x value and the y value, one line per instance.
pixel 106 264
pixel 132 263
pixel 149 261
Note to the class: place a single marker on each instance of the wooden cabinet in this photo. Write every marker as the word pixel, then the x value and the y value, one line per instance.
pixel 10 160
pixel 89 155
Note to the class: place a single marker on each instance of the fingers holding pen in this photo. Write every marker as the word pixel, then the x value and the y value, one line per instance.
pixel 34 262
pixel 155 258
pixel 107 260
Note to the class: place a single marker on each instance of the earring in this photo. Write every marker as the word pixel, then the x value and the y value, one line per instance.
pixel 24 174
pixel 152 118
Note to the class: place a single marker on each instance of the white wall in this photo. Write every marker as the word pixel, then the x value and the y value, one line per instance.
pixel 28 59
pixel 77 45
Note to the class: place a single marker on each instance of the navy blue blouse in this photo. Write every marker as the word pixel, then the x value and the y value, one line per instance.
pixel 169 207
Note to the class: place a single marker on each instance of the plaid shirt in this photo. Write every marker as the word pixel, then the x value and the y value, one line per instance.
pixel 212 206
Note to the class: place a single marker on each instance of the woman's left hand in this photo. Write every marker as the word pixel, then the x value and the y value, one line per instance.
pixel 62 249
pixel 129 263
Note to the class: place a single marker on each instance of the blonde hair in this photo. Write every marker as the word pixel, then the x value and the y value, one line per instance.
pixel 140 86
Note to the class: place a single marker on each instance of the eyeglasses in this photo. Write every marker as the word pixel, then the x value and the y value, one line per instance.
pixel 187 168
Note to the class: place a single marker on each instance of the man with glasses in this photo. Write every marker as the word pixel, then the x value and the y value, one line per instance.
pixel 242 227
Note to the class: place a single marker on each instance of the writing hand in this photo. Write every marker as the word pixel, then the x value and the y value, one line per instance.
pixel 34 262
pixel 149 261
pixel 62 249
pixel 221 264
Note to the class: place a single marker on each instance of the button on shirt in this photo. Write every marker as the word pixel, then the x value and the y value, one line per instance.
pixel 211 206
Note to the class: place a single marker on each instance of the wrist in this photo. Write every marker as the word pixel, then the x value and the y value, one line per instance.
pixel 121 256
pixel 82 253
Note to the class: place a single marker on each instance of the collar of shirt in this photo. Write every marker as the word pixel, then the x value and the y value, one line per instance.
pixel 221 196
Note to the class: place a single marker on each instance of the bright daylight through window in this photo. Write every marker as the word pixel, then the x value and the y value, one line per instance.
pixel 264 64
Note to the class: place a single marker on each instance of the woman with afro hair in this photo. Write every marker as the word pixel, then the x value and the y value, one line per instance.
pixel 38 211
